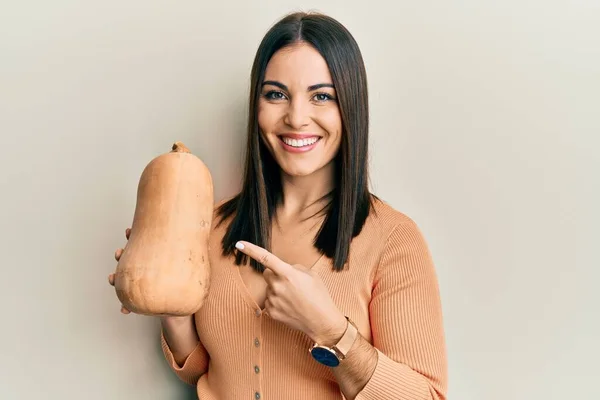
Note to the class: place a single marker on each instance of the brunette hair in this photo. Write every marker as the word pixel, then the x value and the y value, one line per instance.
pixel 350 201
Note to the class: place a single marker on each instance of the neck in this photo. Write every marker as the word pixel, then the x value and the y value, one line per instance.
pixel 303 195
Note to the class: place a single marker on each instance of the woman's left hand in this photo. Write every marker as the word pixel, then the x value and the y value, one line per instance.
pixel 297 297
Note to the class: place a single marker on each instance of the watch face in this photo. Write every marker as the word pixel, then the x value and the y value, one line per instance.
pixel 325 356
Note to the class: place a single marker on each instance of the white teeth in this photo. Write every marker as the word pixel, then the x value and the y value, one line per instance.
pixel 299 142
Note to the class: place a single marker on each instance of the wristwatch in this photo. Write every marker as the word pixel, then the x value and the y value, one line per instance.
pixel 331 356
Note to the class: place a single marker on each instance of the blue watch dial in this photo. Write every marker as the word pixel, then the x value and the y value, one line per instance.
pixel 325 356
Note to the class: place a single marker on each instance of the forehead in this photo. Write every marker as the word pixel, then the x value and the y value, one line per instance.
pixel 298 65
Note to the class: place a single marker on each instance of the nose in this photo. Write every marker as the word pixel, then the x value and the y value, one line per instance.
pixel 297 115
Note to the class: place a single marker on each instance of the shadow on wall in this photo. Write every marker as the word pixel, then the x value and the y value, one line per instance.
pixel 184 391
pixel 219 140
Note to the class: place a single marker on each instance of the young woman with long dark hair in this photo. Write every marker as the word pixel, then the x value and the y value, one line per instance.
pixel 319 289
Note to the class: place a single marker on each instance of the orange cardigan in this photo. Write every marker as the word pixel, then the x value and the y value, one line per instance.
pixel 390 291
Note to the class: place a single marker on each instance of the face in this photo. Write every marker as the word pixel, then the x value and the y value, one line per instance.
pixel 298 112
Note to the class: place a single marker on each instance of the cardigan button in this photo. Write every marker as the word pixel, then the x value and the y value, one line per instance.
pixel 257 396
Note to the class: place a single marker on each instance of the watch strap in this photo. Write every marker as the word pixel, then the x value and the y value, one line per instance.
pixel 343 346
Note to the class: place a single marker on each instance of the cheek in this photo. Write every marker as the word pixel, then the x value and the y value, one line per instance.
pixel 261 118
pixel 332 122
pixel 267 118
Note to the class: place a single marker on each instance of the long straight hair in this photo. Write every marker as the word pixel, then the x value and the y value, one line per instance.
pixel 350 201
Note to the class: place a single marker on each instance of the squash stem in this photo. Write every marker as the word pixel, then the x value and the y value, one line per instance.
pixel 179 147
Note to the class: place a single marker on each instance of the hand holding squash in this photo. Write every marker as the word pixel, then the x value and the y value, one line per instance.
pixel 111 277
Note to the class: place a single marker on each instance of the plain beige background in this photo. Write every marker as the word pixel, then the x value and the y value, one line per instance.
pixel 484 130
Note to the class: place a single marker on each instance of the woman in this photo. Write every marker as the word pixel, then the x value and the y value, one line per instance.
pixel 319 290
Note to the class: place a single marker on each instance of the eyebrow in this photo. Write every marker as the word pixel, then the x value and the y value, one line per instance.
pixel 310 88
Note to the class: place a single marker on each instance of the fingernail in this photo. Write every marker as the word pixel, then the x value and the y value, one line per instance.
pixel 239 245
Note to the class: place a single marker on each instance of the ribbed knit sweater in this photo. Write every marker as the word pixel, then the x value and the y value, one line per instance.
pixel 389 289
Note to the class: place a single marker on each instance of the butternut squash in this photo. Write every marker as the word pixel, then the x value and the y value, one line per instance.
pixel 164 268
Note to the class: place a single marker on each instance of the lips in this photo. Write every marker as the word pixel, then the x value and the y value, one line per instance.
pixel 298 142
pixel 299 135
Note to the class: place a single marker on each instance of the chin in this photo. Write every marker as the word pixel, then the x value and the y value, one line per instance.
pixel 299 171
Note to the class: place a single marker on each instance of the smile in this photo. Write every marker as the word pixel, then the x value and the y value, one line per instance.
pixel 299 144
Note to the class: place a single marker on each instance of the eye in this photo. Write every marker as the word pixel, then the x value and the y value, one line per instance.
pixel 320 97
pixel 274 95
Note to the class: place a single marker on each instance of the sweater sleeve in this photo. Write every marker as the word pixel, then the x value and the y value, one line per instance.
pixel 194 366
pixel 406 322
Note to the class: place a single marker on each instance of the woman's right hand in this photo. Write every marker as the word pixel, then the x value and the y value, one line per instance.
pixel 179 331
pixel 111 277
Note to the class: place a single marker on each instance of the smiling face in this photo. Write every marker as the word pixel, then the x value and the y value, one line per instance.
pixel 298 113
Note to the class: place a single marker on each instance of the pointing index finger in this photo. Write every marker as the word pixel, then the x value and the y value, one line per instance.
pixel 263 256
